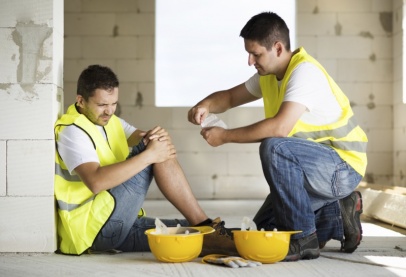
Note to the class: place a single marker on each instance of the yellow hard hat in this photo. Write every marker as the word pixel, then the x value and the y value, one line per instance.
pixel 263 246
pixel 182 244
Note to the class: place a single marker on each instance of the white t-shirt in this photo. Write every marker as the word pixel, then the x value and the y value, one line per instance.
pixel 76 147
pixel 309 87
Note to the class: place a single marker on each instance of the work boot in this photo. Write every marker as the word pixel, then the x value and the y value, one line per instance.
pixel 351 210
pixel 221 241
pixel 322 244
pixel 306 248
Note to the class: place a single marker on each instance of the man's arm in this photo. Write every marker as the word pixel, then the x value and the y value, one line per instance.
pixel 278 126
pixel 135 138
pixel 219 102
pixel 98 178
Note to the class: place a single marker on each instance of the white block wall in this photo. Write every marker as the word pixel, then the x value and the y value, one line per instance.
pixel 352 39
pixel 31 39
pixel 122 37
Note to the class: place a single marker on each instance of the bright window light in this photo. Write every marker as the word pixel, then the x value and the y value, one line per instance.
pixel 199 50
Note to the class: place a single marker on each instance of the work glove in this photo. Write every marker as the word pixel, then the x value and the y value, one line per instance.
pixel 230 261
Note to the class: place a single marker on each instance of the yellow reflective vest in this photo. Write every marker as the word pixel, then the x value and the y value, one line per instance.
pixel 81 214
pixel 345 135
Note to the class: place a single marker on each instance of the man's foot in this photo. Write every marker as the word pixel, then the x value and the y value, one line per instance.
pixel 351 209
pixel 220 241
pixel 306 248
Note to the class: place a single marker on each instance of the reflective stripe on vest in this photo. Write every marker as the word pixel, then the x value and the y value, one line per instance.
pixel 64 173
pixel 340 132
pixel 70 207
pixel 345 135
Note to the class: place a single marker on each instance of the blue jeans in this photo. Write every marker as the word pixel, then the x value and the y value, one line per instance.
pixel 124 230
pixel 306 180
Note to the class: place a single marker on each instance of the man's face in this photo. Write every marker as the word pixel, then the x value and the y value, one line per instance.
pixel 265 61
pixel 100 107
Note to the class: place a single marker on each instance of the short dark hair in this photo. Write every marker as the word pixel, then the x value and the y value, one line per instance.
pixel 267 28
pixel 96 77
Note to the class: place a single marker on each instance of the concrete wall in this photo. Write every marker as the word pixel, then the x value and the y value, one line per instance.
pixel 31 55
pixel 353 40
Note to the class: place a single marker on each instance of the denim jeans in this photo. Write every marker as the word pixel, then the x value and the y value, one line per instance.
pixel 306 180
pixel 124 230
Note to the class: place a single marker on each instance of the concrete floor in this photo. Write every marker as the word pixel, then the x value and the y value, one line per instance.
pixel 381 253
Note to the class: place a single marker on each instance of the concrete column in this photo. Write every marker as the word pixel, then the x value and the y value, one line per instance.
pixel 31 55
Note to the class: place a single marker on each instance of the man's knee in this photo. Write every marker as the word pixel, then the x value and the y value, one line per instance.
pixel 268 146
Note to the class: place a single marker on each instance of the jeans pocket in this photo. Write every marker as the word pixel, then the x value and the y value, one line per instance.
pixel 343 181
pixel 112 231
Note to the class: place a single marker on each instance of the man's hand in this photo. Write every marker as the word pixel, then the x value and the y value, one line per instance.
pixel 215 136
pixel 160 144
pixel 161 150
pixel 157 133
pixel 197 114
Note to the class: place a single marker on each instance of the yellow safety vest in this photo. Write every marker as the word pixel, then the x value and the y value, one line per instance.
pixel 81 213
pixel 345 135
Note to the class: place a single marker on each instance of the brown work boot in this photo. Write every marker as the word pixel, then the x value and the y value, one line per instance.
pixel 220 241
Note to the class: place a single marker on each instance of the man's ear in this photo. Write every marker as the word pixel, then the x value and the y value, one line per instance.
pixel 80 101
pixel 279 47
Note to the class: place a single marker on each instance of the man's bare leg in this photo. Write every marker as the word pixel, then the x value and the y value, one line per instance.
pixel 173 184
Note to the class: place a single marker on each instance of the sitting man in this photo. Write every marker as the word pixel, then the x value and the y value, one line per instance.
pixel 100 186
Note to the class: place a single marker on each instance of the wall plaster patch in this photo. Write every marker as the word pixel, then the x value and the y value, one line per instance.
pixel 30 37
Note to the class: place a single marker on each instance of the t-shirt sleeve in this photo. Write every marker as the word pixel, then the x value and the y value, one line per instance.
pixel 309 86
pixel 253 86
pixel 75 148
pixel 306 85
pixel 128 128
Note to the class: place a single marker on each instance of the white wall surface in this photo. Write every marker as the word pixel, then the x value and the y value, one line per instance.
pixel 351 39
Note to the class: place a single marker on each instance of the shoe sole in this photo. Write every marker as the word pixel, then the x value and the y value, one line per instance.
pixel 356 213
